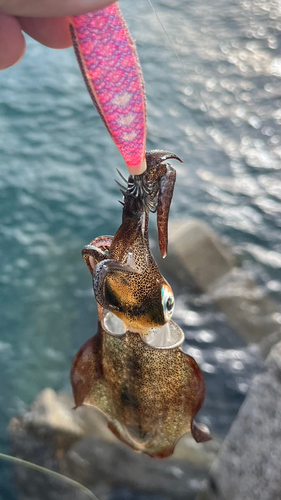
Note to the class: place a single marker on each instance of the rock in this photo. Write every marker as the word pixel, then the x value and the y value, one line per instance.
pixel 249 311
pixel 77 443
pixel 199 454
pixel 197 256
pixel 91 462
pixel 248 466
pixel 50 418
pixel 53 415
pixel 96 463
pixel 32 484
pixel 199 253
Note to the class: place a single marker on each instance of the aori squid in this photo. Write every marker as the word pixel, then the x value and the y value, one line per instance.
pixel 134 370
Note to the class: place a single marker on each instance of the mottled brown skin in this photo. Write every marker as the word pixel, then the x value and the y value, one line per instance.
pixel 126 279
pixel 149 396
pixel 139 292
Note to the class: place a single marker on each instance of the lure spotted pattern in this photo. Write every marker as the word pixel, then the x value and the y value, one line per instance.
pixel 109 64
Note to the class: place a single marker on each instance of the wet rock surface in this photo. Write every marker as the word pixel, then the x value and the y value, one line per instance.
pixel 198 252
pixel 248 464
pixel 78 444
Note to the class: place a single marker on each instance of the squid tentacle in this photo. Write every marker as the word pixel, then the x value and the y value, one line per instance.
pixel 96 251
pixel 102 270
pixel 166 189
pixel 166 182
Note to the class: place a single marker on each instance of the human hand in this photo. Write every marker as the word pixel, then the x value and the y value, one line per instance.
pixel 44 20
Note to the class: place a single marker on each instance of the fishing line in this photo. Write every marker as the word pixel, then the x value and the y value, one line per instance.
pixel 43 470
pixel 198 95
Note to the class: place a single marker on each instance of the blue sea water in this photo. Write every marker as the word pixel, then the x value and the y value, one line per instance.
pixel 214 98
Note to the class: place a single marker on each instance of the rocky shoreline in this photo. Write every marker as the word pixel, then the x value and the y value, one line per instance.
pixel 246 466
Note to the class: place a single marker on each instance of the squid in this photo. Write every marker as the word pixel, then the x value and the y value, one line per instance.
pixel 134 370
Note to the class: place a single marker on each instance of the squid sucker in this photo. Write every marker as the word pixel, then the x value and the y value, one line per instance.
pixel 134 370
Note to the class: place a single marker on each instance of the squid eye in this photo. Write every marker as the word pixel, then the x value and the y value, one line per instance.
pixel 168 302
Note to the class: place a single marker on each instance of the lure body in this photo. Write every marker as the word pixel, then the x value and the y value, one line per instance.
pixel 109 64
pixel 149 396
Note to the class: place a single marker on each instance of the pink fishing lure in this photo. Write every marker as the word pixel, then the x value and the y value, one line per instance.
pixel 108 60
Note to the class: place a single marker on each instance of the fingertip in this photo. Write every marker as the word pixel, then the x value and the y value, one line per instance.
pixel 50 31
pixel 53 8
pixel 12 42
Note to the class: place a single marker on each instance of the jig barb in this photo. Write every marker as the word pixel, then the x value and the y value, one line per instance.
pixel 108 61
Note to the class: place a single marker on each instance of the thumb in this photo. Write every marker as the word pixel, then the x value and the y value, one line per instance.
pixel 51 8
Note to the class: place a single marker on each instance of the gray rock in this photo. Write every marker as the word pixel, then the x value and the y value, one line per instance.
pixel 49 418
pixel 248 466
pixel 78 444
pixel 199 253
pixel 197 256
pixel 248 309
pixel 92 461
pixel 52 415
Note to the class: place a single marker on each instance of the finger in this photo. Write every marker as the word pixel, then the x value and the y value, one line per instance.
pixel 51 8
pixel 51 31
pixel 12 42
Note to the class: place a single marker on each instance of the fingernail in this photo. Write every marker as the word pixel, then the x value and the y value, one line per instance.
pixel 22 56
